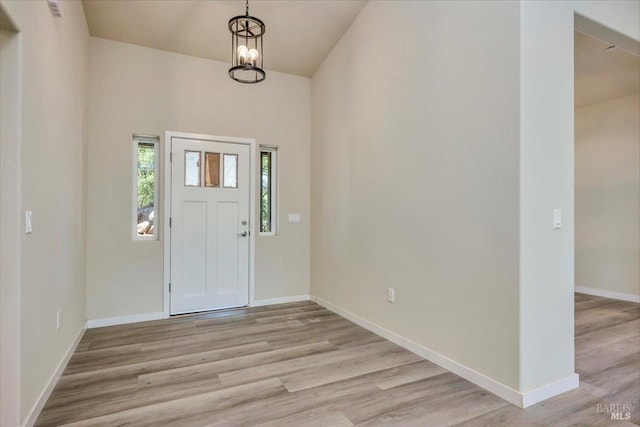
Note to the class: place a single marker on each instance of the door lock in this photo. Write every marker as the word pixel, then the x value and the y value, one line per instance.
pixel 244 222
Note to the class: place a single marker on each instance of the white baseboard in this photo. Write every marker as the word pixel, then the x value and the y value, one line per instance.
pixel 34 413
pixel 608 294
pixel 122 320
pixel 547 391
pixel 281 300
pixel 501 390
pixel 134 318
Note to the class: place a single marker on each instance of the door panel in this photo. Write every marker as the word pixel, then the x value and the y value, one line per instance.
pixel 209 231
pixel 228 247
pixel 194 248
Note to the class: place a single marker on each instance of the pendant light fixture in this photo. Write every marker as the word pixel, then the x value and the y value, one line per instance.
pixel 246 48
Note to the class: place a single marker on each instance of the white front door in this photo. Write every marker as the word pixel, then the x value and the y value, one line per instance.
pixel 209 225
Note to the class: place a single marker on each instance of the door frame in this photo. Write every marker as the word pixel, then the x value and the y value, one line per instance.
pixel 11 226
pixel 166 193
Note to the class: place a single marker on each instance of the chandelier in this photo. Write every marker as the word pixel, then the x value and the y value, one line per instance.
pixel 246 48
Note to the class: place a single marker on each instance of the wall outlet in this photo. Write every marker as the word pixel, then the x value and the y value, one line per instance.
pixel 58 320
pixel 391 295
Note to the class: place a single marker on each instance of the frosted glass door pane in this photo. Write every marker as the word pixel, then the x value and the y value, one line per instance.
pixel 230 178
pixel 191 168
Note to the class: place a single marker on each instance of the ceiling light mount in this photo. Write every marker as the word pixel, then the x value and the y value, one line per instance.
pixel 246 48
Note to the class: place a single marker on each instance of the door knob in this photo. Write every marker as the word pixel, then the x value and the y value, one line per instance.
pixel 243 234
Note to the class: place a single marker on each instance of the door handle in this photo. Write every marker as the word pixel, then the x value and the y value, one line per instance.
pixel 243 234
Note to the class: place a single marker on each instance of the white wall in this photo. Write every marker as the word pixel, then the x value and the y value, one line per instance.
pixel 140 90
pixel 415 127
pixel 439 153
pixel 546 179
pixel 54 55
pixel 607 180
pixel 546 183
pixel 9 227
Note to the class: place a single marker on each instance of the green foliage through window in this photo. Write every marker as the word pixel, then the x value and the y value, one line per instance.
pixel 145 211
pixel 146 174
pixel 265 192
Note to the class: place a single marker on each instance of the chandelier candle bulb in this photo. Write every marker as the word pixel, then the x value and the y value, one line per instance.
pixel 242 55
pixel 253 56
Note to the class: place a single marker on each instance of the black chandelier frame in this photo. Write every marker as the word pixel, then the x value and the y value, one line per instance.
pixel 247 31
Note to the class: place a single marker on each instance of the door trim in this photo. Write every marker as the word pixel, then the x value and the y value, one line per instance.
pixel 166 194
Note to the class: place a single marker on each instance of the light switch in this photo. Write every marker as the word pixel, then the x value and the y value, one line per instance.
pixel 557 218
pixel 294 217
pixel 27 222
pixel 391 295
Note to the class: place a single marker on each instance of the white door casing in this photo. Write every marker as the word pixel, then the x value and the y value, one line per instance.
pixel 209 240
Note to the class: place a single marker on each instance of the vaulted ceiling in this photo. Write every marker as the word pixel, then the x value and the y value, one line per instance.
pixel 299 35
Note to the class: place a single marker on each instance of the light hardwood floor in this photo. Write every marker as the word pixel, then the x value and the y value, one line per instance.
pixel 301 365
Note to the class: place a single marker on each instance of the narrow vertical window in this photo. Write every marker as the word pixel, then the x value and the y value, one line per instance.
pixel 145 215
pixel 268 190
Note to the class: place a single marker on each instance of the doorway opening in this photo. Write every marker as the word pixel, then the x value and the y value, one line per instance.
pixel 607 209
pixel 607 162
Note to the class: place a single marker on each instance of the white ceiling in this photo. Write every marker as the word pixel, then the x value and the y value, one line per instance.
pixel 299 33
pixel 602 74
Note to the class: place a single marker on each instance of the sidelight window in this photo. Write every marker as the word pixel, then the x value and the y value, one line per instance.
pixel 268 190
pixel 145 162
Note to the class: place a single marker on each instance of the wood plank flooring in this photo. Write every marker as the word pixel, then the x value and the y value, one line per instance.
pixel 301 365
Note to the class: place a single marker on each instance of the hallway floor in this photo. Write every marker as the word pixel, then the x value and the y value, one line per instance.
pixel 301 365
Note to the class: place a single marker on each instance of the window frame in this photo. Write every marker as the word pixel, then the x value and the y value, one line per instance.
pixel 273 179
pixel 146 139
